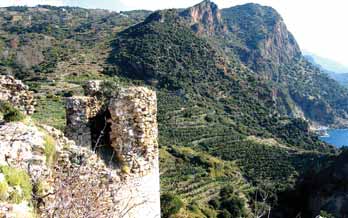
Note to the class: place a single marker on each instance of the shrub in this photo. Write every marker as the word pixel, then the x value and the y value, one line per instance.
pixel 235 206
pixel 170 205
pixel 41 188
pixel 19 179
pixel 326 214
pixel 215 203
pixel 68 94
pixel 50 149
pixel 230 203
pixel 10 113
pixel 125 169
pixel 3 190
pixel 16 195
pixel 224 214
pixel 209 118
pixel 208 212
pixel 193 207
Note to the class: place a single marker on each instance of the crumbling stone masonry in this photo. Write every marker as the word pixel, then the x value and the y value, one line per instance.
pixel 78 112
pixel 18 94
pixel 134 127
pixel 92 87
pixel 133 138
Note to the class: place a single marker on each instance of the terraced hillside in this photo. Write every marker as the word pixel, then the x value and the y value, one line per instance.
pixel 226 125
pixel 200 178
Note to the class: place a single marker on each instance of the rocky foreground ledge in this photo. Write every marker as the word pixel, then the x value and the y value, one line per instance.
pixel 45 174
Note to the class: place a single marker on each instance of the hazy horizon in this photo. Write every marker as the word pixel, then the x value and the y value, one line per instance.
pixel 317 26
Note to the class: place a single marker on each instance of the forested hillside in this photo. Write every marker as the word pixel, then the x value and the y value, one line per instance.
pixel 236 98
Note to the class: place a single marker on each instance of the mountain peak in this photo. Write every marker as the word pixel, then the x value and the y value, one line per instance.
pixel 264 36
pixel 205 2
pixel 204 17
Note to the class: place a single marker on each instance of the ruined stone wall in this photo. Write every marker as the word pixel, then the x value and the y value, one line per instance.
pixel 133 136
pixel 79 110
pixel 15 92
pixel 134 128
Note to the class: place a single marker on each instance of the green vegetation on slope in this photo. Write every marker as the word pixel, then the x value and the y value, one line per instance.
pixel 9 113
pixel 50 110
pixel 213 105
pixel 219 121
pixel 20 181
pixel 200 179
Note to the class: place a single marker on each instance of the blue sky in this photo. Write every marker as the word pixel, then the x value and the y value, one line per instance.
pixel 318 25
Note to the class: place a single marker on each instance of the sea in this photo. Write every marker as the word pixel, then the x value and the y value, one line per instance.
pixel 336 137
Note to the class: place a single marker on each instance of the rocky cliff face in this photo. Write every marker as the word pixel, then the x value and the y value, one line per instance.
pixel 264 42
pixel 204 17
pixel 259 36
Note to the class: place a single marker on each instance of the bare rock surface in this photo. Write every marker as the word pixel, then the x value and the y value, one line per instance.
pixel 92 87
pixel 23 146
pixel 205 17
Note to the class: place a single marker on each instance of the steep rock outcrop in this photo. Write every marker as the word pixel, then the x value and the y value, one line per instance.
pixel 15 92
pixel 263 40
pixel 204 17
pixel 259 36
